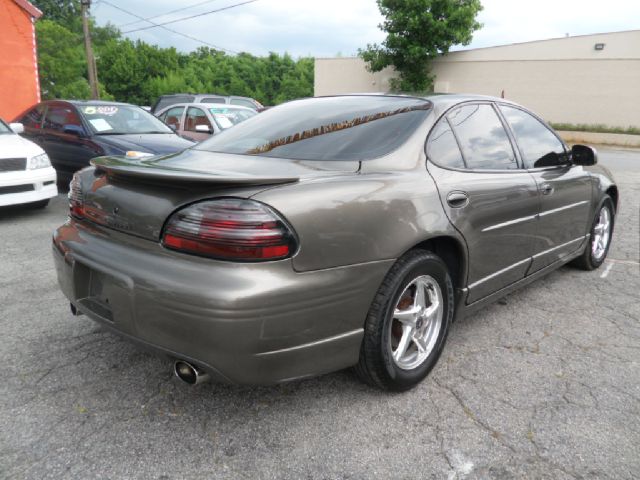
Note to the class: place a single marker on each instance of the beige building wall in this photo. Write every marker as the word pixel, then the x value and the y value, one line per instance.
pixel 563 80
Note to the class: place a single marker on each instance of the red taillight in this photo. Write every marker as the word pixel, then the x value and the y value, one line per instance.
pixel 230 229
pixel 76 199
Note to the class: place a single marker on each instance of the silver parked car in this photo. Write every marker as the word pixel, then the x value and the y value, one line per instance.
pixel 328 233
pixel 198 121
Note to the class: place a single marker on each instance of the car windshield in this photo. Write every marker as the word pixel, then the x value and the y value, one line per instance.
pixel 4 128
pixel 121 120
pixel 228 117
pixel 332 128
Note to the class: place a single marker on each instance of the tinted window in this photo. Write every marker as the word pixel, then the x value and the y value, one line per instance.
pixel 539 146
pixel 58 116
pixel 172 100
pixel 33 118
pixel 442 148
pixel 333 128
pixel 213 100
pixel 242 102
pixel 484 141
pixel 195 117
pixel 173 116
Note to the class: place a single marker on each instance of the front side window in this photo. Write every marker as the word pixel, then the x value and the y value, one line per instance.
pixel 60 116
pixel 4 128
pixel 196 117
pixel 483 139
pixel 442 148
pixel 332 128
pixel 539 146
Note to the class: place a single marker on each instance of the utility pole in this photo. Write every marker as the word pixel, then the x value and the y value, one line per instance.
pixel 91 61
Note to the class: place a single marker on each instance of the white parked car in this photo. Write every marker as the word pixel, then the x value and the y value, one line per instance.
pixel 26 174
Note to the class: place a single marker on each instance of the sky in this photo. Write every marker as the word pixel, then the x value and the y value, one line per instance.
pixel 329 28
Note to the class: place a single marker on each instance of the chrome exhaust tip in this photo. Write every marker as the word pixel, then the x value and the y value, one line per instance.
pixel 189 373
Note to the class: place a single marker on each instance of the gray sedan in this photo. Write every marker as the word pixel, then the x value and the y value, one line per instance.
pixel 329 233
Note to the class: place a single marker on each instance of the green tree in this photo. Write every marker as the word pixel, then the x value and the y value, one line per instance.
pixel 64 12
pixel 418 31
pixel 61 62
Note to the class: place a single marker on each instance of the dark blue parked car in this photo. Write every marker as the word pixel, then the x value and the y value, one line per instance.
pixel 74 132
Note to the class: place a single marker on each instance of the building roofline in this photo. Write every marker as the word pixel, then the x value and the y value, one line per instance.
pixel 504 44
pixel 544 40
pixel 29 8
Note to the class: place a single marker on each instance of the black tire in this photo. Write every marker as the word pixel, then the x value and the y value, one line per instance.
pixel 587 260
pixel 376 365
pixel 39 205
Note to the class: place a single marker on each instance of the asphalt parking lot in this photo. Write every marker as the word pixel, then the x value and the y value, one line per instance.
pixel 544 384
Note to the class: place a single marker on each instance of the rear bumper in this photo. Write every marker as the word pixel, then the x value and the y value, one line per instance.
pixel 33 180
pixel 245 323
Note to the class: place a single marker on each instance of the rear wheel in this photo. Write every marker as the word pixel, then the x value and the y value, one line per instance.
pixel 597 248
pixel 408 323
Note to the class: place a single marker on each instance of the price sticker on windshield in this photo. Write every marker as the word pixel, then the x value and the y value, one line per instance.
pixel 107 110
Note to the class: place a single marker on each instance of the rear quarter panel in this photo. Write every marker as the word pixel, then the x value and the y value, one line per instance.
pixel 358 218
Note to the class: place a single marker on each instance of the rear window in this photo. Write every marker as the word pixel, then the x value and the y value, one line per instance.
pixel 334 128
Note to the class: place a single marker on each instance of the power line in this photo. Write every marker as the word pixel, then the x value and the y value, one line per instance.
pixel 190 17
pixel 167 13
pixel 167 28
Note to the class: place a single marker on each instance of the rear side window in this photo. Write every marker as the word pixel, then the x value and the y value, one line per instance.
pixel 539 146
pixel 172 100
pixel 213 100
pixel 483 139
pixel 332 128
pixel 33 118
pixel 242 102
pixel 442 148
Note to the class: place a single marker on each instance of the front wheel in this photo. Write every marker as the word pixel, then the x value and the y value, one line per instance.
pixel 597 248
pixel 408 322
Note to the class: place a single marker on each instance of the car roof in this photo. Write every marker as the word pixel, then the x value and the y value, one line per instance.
pixel 440 101
pixel 222 95
pixel 79 103
pixel 98 102
pixel 207 105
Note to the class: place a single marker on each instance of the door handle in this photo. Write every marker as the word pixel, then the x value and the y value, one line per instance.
pixel 457 199
pixel 546 189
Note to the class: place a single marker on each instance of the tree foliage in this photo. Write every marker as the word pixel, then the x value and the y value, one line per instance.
pixel 418 31
pixel 137 72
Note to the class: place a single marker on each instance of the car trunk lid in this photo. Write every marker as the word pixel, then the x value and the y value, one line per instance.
pixel 136 196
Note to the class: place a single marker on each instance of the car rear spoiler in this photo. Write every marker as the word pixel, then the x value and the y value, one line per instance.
pixel 125 167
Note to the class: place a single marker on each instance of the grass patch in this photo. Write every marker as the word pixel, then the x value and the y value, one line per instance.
pixel 595 128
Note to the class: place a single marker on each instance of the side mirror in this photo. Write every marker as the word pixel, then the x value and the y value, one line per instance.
pixel 73 130
pixel 16 127
pixel 584 155
pixel 173 127
pixel 203 128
